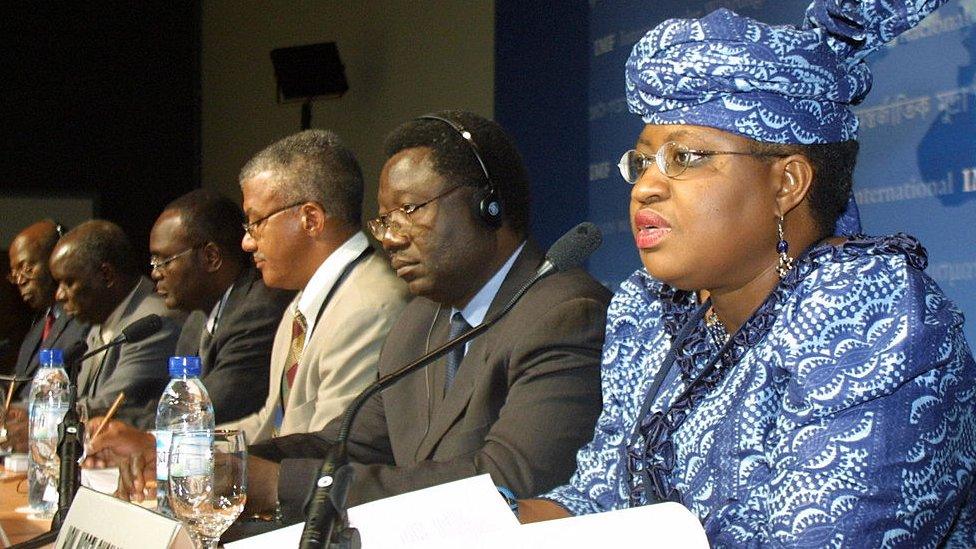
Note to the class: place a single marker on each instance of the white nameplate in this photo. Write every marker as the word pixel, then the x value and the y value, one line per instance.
pixel 99 520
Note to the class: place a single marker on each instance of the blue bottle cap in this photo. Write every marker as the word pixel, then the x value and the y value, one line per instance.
pixel 52 356
pixel 184 366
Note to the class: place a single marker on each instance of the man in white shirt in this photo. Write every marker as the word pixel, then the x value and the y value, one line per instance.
pixel 303 201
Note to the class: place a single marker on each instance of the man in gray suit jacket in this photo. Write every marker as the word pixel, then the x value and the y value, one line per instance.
pixel 29 272
pixel 199 268
pixel 515 403
pixel 99 283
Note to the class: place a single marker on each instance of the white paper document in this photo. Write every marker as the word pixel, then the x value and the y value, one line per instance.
pixel 469 513
pixel 101 480
pixel 466 507
pixel 469 508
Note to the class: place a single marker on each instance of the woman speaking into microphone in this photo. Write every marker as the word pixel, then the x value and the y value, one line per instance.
pixel 787 379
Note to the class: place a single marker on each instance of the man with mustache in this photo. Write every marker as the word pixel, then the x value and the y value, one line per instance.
pixel 303 201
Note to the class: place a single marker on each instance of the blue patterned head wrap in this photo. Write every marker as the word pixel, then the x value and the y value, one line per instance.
pixel 774 84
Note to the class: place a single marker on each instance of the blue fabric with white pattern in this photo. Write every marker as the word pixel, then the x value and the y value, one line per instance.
pixel 844 415
pixel 775 84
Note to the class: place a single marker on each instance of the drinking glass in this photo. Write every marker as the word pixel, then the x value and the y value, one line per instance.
pixel 207 482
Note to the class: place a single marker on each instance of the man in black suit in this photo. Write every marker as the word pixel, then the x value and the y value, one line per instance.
pixel 52 328
pixel 518 401
pixel 199 268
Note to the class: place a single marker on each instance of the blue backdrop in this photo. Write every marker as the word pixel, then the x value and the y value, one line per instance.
pixel 917 166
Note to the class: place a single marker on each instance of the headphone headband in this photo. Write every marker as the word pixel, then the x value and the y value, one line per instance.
pixel 490 206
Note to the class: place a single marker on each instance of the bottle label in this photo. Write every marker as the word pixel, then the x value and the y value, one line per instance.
pixel 191 455
pixel 45 419
pixel 163 439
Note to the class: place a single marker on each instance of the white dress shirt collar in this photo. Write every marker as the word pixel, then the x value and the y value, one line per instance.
pixel 476 309
pixel 313 296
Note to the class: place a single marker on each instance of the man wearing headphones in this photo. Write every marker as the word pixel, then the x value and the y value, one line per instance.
pixel 516 402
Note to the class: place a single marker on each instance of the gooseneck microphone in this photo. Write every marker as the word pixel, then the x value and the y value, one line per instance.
pixel 323 516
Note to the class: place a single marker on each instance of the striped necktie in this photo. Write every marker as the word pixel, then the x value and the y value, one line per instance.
pixel 298 328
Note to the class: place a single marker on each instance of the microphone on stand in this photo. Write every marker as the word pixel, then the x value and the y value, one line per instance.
pixel 323 516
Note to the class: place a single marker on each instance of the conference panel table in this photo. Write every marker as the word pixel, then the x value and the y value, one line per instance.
pixel 16 526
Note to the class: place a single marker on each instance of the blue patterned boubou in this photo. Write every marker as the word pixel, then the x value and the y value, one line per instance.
pixel 842 414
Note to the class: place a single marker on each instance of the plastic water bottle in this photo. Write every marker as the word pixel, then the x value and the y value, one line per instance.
pixel 47 404
pixel 184 406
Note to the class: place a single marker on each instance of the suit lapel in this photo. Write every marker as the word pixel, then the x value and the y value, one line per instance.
pixel 27 360
pixel 473 366
pixel 89 366
pixel 57 329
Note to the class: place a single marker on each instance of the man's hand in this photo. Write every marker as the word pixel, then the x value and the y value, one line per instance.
pixel 137 478
pixel 262 486
pixel 117 443
pixel 17 429
pixel 538 510
pixel 131 450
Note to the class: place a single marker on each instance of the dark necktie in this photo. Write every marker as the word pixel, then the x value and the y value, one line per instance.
pixel 454 358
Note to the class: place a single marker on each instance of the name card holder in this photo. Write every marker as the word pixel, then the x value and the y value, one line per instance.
pixel 100 520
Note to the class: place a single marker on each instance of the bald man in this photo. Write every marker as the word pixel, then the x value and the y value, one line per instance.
pixel 52 328
pixel 99 283
pixel 29 272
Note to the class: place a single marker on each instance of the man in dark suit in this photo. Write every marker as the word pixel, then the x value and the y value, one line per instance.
pixel 199 268
pixel 516 402
pixel 99 283
pixel 29 254
pixel 52 328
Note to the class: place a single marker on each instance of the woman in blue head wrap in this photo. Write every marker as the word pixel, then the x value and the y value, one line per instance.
pixel 789 381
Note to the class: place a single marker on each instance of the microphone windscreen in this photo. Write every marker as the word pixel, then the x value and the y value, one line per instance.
pixel 575 246
pixel 142 328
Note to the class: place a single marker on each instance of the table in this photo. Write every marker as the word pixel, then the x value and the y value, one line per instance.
pixel 16 525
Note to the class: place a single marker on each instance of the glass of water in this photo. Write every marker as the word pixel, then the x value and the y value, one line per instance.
pixel 207 481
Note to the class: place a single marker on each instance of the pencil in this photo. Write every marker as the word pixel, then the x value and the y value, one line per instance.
pixel 108 415
pixel 9 399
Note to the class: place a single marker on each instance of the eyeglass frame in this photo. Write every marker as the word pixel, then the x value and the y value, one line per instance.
pixel 27 272
pixel 160 264
pixel 251 227
pixel 661 163
pixel 380 225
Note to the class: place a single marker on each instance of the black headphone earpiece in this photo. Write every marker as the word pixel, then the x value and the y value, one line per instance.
pixel 489 205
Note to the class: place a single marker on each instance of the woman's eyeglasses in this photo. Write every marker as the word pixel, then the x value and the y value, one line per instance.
pixel 672 159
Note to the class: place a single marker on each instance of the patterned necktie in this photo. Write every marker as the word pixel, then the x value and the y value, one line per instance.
pixel 298 327
pixel 48 324
pixel 454 358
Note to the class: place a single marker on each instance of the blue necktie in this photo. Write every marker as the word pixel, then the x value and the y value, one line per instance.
pixel 454 358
